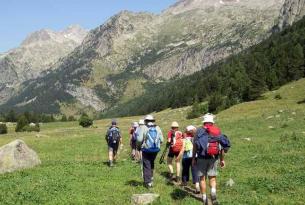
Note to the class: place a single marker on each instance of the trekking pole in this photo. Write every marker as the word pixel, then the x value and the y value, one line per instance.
pixel 161 161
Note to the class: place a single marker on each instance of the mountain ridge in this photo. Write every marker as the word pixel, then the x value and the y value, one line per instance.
pixel 143 47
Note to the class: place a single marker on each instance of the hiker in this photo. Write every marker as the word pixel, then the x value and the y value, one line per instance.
pixel 138 142
pixel 114 139
pixel 151 139
pixel 187 159
pixel 176 149
pixel 133 140
pixel 210 146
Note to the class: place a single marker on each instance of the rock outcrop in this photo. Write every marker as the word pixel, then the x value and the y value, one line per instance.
pixel 36 54
pixel 17 155
pixel 143 199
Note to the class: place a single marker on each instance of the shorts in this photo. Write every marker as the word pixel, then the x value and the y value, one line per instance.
pixel 113 147
pixel 172 154
pixel 133 144
pixel 207 167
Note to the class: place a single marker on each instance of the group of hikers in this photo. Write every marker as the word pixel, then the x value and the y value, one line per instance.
pixel 199 150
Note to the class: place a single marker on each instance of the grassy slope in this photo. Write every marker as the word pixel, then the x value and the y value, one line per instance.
pixel 269 169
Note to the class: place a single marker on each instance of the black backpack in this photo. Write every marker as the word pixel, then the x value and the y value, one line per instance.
pixel 114 135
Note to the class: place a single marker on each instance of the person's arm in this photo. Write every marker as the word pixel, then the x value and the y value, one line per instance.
pixel 194 149
pixel 160 135
pixel 222 159
pixel 106 136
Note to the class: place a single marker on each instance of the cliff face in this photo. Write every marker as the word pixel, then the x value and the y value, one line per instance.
pixel 116 58
pixel 36 54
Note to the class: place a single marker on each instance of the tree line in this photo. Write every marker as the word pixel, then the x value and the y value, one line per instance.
pixel 242 77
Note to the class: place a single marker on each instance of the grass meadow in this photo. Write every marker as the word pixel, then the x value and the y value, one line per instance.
pixel 268 167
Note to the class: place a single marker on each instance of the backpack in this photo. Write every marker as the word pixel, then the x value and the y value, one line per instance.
pixel 208 145
pixel 176 141
pixel 152 142
pixel 188 144
pixel 134 135
pixel 114 135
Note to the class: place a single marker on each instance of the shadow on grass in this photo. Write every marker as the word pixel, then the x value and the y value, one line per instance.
pixel 134 183
pixel 179 194
pixel 301 102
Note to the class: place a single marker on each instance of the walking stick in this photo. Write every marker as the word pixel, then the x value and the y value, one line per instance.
pixel 161 161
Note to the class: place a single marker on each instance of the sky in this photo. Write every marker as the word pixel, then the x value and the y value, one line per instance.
pixel 18 18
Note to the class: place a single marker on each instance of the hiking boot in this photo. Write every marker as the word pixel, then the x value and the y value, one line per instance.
pixel 110 163
pixel 178 179
pixel 214 200
pixel 206 202
pixel 184 184
pixel 148 185
pixel 171 176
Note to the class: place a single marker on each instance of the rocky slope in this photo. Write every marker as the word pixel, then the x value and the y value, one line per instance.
pixel 116 58
pixel 36 53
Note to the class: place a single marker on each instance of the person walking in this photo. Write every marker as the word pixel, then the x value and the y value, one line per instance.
pixel 187 159
pixel 138 141
pixel 209 146
pixel 133 140
pixel 151 138
pixel 176 143
pixel 114 139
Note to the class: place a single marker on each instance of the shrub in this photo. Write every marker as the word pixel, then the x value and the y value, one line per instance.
pixel 278 97
pixel 71 118
pixel 21 123
pixel 197 110
pixel 64 118
pixel 216 103
pixel 3 129
pixel 85 121
pixel 29 128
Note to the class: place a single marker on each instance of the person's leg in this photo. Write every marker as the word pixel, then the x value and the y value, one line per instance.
pixel 185 171
pixel 146 168
pixel 212 172
pixel 110 155
pixel 170 165
pixel 152 162
pixel 203 189
pixel 195 177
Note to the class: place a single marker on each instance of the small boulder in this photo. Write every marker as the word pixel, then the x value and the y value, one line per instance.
pixel 230 183
pixel 271 127
pixel 32 124
pixel 247 139
pixel 141 199
pixel 17 155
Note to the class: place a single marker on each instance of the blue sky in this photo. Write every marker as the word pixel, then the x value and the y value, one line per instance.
pixel 18 18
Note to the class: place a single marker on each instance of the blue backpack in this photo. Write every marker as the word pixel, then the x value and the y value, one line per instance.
pixel 152 142
pixel 114 135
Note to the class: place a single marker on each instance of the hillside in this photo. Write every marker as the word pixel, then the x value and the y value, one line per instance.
pixel 268 169
pixel 117 59
pixel 239 78
pixel 36 54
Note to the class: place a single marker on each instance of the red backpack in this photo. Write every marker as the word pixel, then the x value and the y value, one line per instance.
pixel 214 132
pixel 177 141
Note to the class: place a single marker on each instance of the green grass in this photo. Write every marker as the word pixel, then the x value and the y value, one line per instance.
pixel 269 169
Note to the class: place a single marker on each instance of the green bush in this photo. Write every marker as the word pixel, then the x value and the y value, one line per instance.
pixel 216 103
pixel 21 123
pixel 278 97
pixel 85 121
pixel 64 118
pixel 29 128
pixel 197 110
pixel 3 129
pixel 71 118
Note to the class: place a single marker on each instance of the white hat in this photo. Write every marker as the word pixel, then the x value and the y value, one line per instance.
pixel 141 122
pixel 149 118
pixel 208 118
pixel 175 124
pixel 135 124
pixel 190 128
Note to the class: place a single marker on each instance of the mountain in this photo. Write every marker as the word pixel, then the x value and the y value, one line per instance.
pixel 116 60
pixel 36 54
